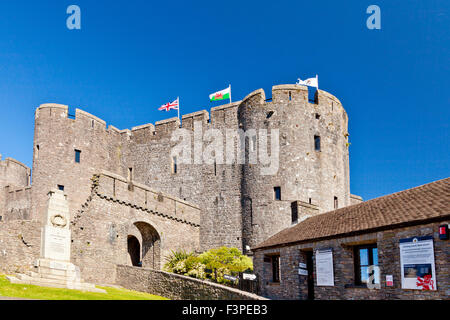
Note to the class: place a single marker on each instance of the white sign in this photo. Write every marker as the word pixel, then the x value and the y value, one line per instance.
pixel 417 263
pixel 302 265
pixel 247 276
pixel 324 267
pixel 302 272
pixel 231 278
pixel 389 280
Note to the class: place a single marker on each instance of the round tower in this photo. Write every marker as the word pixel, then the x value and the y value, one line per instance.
pixel 68 151
pixel 313 168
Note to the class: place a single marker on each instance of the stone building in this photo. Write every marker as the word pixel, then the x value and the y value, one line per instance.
pixel 355 238
pixel 131 201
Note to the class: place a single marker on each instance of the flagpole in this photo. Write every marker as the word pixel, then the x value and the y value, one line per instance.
pixel 230 92
pixel 178 98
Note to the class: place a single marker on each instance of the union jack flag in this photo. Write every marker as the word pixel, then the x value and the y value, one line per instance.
pixel 168 106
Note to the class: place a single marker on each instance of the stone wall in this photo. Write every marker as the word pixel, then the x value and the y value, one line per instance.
pixel 305 174
pixel 238 205
pixel 17 204
pixel 176 287
pixel 19 245
pixel 56 137
pixel 14 191
pixel 294 286
pixel 116 210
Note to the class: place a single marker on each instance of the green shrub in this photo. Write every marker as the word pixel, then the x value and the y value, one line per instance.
pixel 174 260
pixel 221 261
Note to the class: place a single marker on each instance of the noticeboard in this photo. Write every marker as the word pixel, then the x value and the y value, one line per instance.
pixel 417 263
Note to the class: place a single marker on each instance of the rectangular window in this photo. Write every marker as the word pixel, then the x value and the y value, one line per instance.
pixel 294 212
pixel 77 156
pixel 366 258
pixel 130 174
pixel 276 269
pixel 277 193
pixel 335 203
pixel 37 151
pixel 174 165
pixel 317 143
pixel 60 187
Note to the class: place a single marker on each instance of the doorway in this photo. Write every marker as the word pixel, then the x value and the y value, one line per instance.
pixel 134 251
pixel 310 268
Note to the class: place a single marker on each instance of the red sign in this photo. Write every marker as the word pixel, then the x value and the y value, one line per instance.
pixel 389 281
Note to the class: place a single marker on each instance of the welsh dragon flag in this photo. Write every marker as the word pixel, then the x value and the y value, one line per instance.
pixel 221 95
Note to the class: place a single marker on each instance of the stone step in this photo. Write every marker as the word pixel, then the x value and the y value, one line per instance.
pixel 24 279
pixel 49 275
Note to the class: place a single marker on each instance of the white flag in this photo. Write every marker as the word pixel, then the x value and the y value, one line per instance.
pixel 312 82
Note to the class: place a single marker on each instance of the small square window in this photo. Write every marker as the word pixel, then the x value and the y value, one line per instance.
pixel 277 193
pixel 60 187
pixel 317 143
pixel 77 156
pixel 174 165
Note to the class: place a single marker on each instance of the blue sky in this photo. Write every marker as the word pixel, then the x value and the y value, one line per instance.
pixel 132 56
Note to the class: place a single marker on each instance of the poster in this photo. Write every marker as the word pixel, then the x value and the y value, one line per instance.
pixel 417 263
pixel 324 267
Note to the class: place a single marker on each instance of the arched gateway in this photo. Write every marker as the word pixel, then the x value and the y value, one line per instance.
pixel 146 253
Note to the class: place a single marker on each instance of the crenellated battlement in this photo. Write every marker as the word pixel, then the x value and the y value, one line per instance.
pixel 312 166
pixel 217 116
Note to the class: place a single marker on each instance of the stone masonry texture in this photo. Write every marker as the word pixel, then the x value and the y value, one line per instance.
pixel 293 286
pixel 177 287
pixel 123 186
pixel 238 206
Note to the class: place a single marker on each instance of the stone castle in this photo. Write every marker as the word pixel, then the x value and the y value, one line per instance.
pixel 129 202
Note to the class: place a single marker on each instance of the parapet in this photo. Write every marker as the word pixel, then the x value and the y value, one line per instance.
pixel 259 95
pixel 190 118
pixel 354 199
pixel 7 161
pixel 53 106
pixel 80 114
pixel 166 126
pixel 115 187
pixel 218 115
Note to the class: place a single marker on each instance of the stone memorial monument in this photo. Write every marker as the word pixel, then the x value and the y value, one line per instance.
pixel 54 268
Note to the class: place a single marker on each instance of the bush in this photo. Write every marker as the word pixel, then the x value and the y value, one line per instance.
pixel 221 261
pixel 176 260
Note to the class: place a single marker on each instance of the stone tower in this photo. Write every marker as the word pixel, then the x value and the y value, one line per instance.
pixel 313 165
pixel 240 207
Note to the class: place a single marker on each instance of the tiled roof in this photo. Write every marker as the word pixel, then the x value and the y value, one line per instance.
pixel 418 204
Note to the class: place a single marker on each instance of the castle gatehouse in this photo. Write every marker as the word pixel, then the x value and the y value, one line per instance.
pixel 131 202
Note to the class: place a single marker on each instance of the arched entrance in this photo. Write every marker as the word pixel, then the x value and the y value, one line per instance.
pixel 134 250
pixel 151 246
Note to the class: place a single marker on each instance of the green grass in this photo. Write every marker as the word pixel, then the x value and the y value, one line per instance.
pixel 27 291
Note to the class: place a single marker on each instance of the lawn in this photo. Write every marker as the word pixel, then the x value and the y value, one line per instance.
pixel 26 291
